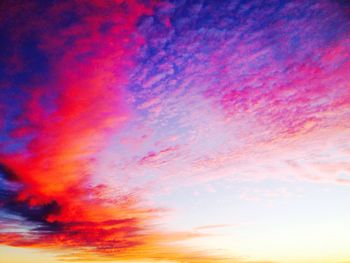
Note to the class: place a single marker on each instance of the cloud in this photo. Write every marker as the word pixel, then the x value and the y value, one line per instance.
pixel 233 89
pixel 213 226
pixel 106 103
pixel 70 74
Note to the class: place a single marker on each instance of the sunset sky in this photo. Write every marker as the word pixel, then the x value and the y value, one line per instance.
pixel 175 131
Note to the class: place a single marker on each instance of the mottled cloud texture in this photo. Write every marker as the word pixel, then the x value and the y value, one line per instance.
pixel 105 104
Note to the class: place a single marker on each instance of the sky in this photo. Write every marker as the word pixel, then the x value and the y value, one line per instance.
pixel 174 131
